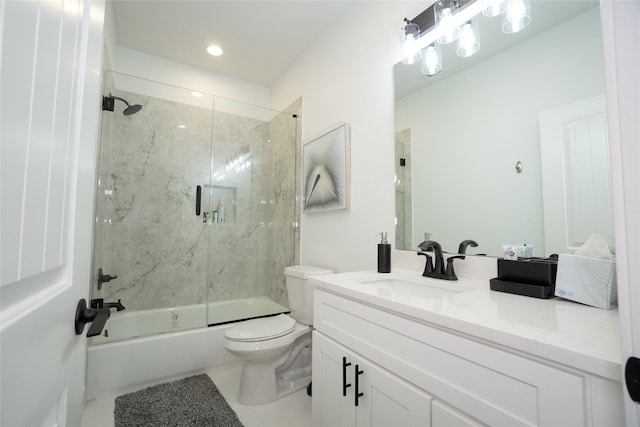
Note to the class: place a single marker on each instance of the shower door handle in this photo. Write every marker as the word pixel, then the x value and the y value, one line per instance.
pixel 198 199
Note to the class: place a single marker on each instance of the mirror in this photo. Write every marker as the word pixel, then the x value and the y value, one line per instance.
pixel 470 161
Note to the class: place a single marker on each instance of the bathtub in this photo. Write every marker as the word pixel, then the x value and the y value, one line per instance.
pixel 133 324
pixel 117 362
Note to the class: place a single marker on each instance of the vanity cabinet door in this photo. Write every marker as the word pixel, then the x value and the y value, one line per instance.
pixel 383 399
pixel 446 416
pixel 388 400
pixel 330 408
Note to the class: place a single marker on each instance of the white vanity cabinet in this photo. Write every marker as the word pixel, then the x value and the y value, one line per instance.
pixel 419 374
pixel 349 390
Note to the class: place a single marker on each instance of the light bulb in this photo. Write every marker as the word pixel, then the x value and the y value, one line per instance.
pixel 493 7
pixel 517 16
pixel 444 11
pixel 411 53
pixel 469 42
pixel 432 64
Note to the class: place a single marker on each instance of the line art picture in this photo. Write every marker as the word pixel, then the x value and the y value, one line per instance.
pixel 326 169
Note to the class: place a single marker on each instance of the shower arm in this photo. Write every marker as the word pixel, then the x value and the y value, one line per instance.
pixel 120 99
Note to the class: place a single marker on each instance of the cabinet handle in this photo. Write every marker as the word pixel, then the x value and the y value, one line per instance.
pixel 344 376
pixel 357 393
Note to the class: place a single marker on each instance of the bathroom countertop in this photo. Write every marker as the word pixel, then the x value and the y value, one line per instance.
pixel 565 332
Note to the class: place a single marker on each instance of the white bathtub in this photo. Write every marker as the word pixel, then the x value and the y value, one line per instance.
pixel 133 324
pixel 115 363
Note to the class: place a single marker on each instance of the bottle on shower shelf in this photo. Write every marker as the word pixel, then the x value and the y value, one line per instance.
pixel 221 211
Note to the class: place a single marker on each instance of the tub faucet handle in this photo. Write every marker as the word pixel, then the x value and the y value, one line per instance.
pixel 104 278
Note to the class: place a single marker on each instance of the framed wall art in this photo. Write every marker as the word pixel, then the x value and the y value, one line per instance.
pixel 326 167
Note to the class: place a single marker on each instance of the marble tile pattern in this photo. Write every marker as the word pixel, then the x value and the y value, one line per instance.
pixel 147 231
pixel 403 190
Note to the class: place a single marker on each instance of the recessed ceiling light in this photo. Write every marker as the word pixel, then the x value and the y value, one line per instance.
pixel 214 50
pixel 182 126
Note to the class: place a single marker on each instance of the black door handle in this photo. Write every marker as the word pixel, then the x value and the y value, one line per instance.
pixel 344 376
pixel 632 378
pixel 96 316
pixel 358 394
pixel 198 199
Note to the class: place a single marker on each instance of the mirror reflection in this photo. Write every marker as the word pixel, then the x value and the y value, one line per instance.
pixel 508 146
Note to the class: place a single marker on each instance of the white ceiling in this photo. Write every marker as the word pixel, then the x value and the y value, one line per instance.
pixel 260 38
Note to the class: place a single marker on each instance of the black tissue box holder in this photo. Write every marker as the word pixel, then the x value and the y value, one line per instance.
pixel 532 277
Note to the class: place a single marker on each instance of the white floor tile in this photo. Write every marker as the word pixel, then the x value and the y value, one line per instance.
pixel 293 410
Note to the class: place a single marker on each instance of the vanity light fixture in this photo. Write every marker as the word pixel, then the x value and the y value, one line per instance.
pixel 411 53
pixel 448 20
pixel 446 27
pixel 469 41
pixel 516 16
pixel 432 63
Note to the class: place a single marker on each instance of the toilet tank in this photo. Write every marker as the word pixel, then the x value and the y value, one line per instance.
pixel 300 292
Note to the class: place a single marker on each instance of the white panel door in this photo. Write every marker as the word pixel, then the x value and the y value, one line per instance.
pixel 621 37
pixel 576 176
pixel 51 53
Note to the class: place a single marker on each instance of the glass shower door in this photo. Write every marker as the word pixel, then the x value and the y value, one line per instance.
pixel 147 233
pixel 253 177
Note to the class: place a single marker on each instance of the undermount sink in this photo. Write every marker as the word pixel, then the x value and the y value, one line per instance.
pixel 409 288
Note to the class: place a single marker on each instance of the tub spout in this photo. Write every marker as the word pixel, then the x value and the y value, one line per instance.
pixel 117 305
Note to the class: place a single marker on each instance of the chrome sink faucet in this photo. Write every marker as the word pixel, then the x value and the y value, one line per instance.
pixel 437 270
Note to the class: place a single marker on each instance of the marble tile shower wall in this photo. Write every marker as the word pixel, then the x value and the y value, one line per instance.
pixel 282 212
pixel 163 254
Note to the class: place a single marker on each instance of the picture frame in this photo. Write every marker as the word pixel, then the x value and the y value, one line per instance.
pixel 326 169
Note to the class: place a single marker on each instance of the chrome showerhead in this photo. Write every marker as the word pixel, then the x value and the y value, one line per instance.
pixel 108 104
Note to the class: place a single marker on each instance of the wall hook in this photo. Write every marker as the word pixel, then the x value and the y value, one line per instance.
pixel 519 166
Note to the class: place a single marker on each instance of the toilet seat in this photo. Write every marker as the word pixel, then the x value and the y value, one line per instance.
pixel 261 329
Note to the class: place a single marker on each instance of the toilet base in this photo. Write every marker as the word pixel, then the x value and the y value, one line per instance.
pixel 265 382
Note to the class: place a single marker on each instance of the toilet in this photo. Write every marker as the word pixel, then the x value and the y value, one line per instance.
pixel 277 350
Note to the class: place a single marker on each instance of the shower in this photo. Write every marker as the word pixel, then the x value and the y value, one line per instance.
pixel 108 103
pixel 183 269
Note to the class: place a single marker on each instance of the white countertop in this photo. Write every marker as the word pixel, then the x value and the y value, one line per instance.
pixel 565 332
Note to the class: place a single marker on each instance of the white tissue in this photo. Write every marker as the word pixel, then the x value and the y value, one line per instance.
pixel 595 247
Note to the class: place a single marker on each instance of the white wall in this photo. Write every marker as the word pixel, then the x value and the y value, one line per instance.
pixel 149 67
pixel 347 76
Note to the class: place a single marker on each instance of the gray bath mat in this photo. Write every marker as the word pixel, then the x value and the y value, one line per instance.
pixel 193 401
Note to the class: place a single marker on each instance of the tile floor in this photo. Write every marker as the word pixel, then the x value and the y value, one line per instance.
pixel 290 411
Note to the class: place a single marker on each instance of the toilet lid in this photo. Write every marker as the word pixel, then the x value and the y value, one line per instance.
pixel 261 329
